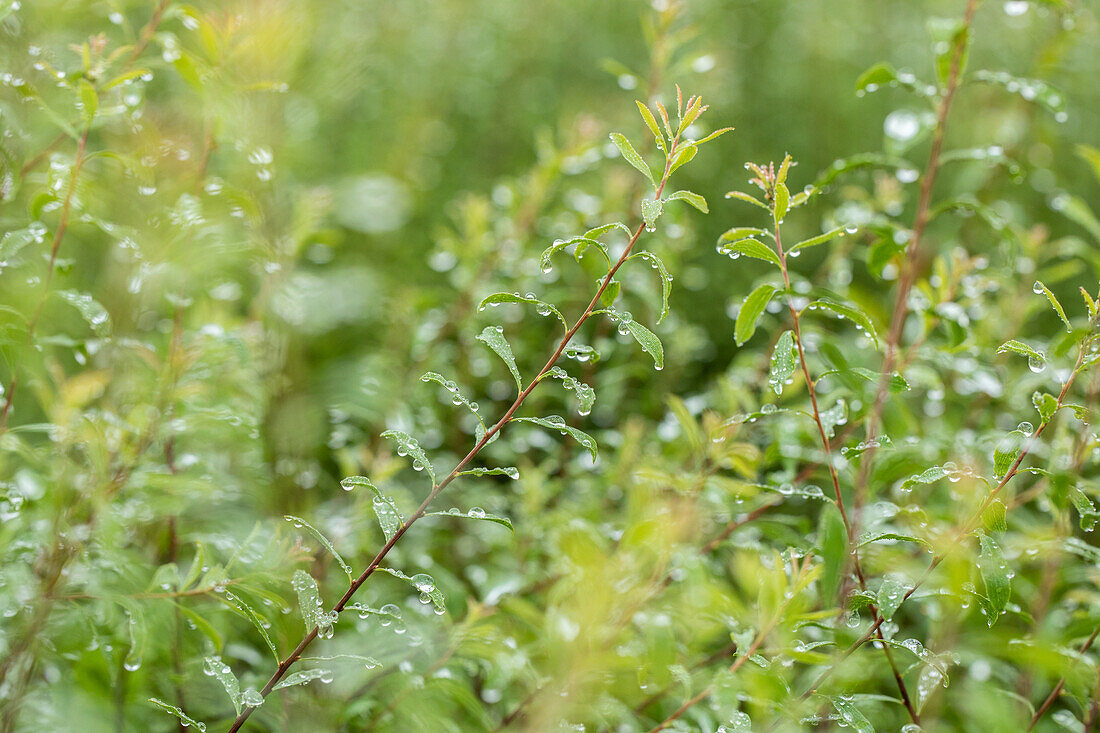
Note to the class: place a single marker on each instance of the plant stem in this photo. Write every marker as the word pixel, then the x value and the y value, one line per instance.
pixel 437 488
pixel 796 323
pixel 1058 687
pixel 912 251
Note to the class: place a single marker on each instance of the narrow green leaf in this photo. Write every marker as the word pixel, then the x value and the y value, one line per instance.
pixel 1038 287
pixel 457 398
pixel 738 233
pixel 408 446
pixel 782 201
pixel 890 595
pixel 783 362
pixel 255 619
pixel 304 676
pixel 996 575
pixel 750 312
pixel 586 396
pixel 493 337
pixel 300 523
pixel 510 471
pixel 651 212
pixel 1006 452
pixel 310 604
pixel 183 717
pixel 1019 347
pixel 541 307
pixel 741 196
pixel 425 584
pixel 646 339
pixel 475 513
pixel 819 239
pixel 631 155
pixel 853 314
pixel 89 101
pixel 892 536
pixel 750 248
pixel 556 422
pixel 692 198
pixel 605 228
pixel 995 516
pixel 90 310
pixel 219 670
pixel 683 157
pixel 850 716
pixel 583 244
pixel 1031 90
pixel 666 279
pixel 713 136
pixel 651 123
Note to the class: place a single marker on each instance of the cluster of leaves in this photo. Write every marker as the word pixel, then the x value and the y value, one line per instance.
pixel 875 515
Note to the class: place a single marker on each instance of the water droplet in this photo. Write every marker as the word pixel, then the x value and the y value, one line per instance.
pixel 1015 8
pixel 901 125
pixel 1036 365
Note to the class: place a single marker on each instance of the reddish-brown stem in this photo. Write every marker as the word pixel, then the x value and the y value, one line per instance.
pixel 912 251
pixel 1058 687
pixel 962 532
pixel 437 488
pixel 811 388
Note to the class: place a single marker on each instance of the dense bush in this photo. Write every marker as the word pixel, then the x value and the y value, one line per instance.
pixel 314 314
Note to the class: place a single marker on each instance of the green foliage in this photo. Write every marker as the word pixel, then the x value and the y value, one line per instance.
pixel 235 233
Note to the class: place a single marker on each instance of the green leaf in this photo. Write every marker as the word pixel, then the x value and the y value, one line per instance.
pixel 605 228
pixel 1019 347
pixel 683 157
pixel 219 670
pixel 949 34
pixel 425 584
pixel 89 101
pixel 586 396
pixel 996 576
pixel 255 619
pixel 819 239
pixel 850 716
pixel 582 353
pixel 583 244
pixel 782 201
pixel 631 155
pixel 881 75
pixel 896 383
pixel 855 162
pixel 742 196
pixel 890 595
pixel 651 123
pixel 751 248
pixel 651 212
pixel 475 513
pixel 1046 404
pixel 1086 510
pixel 304 676
pixel 690 197
pixel 1038 287
pixel 853 314
pixel 738 233
pixel 309 601
pixel 783 362
pixel 666 279
pixel 646 339
pixel 994 516
pixel 1006 452
pixel 541 307
pixel 556 422
pixel 493 337
pixel 1031 90
pixel 183 717
pixel 300 523
pixel 835 415
pixel 832 541
pixel 750 312
pixel 510 471
pixel 894 536
pixel 14 241
pixel 713 136
pixel 915 647
pixel 408 446
pixel 457 398
pixel 90 310
pixel 389 518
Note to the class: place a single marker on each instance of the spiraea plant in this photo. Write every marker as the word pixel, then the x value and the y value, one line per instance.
pixel 319 620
